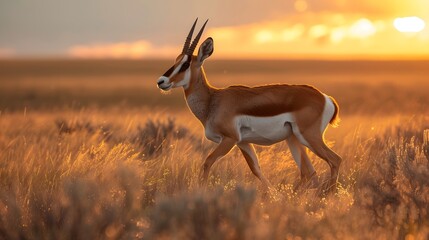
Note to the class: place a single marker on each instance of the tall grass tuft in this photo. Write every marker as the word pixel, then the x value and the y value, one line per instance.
pixel 143 183
pixel 155 135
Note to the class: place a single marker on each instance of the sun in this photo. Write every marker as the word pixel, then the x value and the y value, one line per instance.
pixel 409 24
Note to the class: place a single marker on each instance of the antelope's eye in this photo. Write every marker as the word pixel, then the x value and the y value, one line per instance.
pixel 185 66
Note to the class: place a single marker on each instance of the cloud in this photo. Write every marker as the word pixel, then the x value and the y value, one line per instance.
pixel 121 50
pixel 137 49
pixel 317 34
pixel 303 35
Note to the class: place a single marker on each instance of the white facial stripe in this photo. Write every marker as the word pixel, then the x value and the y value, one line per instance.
pixel 187 78
pixel 185 81
pixel 176 70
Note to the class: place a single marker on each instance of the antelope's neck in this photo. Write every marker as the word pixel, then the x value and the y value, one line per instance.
pixel 198 95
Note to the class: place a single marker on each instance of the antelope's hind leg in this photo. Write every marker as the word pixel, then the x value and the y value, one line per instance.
pixel 319 147
pixel 308 174
pixel 312 137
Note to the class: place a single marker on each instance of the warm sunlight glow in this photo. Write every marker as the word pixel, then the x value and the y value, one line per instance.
pixel 225 34
pixel 300 5
pixel 292 34
pixel 118 50
pixel 409 24
pixel 362 28
pixel 266 29
pixel 264 36
pixel 318 31
pixel 337 35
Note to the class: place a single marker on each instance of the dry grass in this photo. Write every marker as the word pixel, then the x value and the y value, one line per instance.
pixel 121 172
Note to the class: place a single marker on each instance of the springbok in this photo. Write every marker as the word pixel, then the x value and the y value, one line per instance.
pixel 264 115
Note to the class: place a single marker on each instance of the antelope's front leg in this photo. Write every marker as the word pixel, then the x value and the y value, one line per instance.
pixel 221 150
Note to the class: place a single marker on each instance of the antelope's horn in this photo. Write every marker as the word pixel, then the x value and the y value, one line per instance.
pixel 196 39
pixel 188 39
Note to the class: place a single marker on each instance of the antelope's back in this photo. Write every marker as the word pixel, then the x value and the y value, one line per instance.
pixel 269 100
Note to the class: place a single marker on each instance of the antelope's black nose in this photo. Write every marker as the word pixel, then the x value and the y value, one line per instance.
pixel 161 81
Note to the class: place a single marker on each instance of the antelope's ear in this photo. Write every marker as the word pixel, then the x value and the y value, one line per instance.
pixel 206 49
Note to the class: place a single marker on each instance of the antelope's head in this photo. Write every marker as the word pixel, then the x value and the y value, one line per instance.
pixel 180 74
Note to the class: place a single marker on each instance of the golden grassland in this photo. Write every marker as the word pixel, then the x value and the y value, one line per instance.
pixel 91 150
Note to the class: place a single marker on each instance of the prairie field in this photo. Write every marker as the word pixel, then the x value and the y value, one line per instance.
pixel 91 149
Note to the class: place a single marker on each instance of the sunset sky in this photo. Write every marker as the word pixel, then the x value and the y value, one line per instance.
pixel 241 29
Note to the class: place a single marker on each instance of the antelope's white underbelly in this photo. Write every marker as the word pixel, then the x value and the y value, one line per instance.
pixel 264 130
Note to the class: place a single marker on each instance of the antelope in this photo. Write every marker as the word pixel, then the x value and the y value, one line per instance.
pixel 264 115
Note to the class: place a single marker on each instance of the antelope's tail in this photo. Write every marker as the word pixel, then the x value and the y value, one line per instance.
pixel 335 120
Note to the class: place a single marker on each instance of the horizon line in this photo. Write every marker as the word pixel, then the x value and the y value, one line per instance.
pixel 290 58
